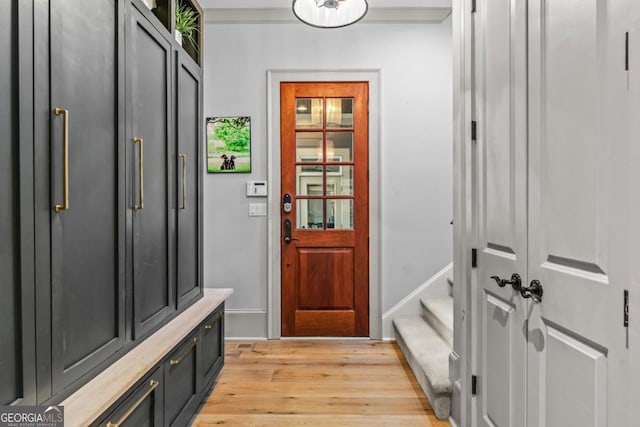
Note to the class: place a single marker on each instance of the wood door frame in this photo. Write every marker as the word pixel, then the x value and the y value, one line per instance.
pixel 274 78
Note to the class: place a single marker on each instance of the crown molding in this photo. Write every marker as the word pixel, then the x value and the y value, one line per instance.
pixel 397 15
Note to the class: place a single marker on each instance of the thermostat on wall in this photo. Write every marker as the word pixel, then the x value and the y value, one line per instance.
pixel 256 188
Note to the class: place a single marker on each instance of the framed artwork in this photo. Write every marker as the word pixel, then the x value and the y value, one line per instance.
pixel 229 144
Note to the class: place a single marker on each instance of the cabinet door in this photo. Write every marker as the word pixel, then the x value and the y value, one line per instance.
pixel 17 355
pixel 212 346
pixel 189 133
pixel 143 407
pixel 182 384
pixel 149 146
pixel 86 221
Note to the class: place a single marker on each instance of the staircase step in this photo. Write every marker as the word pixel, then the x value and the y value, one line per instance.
pixel 428 356
pixel 438 312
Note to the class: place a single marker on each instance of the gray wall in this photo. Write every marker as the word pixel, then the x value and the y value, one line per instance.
pixel 416 126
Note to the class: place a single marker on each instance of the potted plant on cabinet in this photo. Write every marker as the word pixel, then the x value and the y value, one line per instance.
pixel 186 24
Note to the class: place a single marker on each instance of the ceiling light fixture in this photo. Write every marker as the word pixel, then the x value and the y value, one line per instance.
pixel 330 13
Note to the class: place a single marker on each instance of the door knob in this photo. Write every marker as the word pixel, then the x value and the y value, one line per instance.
pixel 534 291
pixel 515 282
pixel 287 232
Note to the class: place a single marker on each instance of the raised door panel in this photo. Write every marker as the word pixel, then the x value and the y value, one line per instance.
pixel 182 383
pixel 500 204
pixel 579 190
pixel 87 232
pixel 212 346
pixel 150 146
pixel 189 131
pixel 17 357
pixel 142 407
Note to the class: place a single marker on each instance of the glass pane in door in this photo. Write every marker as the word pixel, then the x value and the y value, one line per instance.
pixel 339 113
pixel 340 214
pixel 339 146
pixel 309 147
pixel 309 214
pixel 309 178
pixel 340 180
pixel 309 113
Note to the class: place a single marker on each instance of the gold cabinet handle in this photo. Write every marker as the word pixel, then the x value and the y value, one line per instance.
pixel 218 317
pixel 177 361
pixel 65 159
pixel 152 386
pixel 184 180
pixel 140 141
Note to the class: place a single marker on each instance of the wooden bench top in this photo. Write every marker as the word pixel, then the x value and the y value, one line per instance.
pixel 94 398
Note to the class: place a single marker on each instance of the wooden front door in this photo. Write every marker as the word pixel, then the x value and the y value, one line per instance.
pixel 324 209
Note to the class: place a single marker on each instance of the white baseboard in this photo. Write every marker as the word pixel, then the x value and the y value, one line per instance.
pixel 436 286
pixel 245 324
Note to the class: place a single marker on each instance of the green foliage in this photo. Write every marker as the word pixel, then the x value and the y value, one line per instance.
pixel 234 132
pixel 187 23
pixel 241 167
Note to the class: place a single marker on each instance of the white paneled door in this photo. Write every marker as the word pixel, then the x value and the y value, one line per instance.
pixel 552 197
pixel 501 203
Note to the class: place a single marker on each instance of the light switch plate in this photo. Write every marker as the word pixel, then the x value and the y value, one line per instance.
pixel 257 209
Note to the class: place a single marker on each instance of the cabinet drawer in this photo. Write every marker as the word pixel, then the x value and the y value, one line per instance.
pixel 212 346
pixel 142 407
pixel 181 382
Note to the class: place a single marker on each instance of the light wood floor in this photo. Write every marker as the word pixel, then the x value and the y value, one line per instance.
pixel 316 383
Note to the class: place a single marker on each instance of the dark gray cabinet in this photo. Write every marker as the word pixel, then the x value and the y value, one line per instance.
pixel 100 111
pixel 182 383
pixel 191 369
pixel 80 173
pixel 189 136
pixel 170 393
pixel 152 167
pixel 78 169
pixel 17 353
pixel 212 346
pixel 142 407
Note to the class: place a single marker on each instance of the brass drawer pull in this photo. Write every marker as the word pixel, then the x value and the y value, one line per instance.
pixel 65 159
pixel 184 181
pixel 218 317
pixel 152 386
pixel 140 172
pixel 177 361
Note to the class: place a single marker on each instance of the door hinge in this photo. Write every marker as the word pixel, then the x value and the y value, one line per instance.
pixel 626 309
pixel 474 126
pixel 474 258
pixel 473 6
pixel 626 51
pixel 474 385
